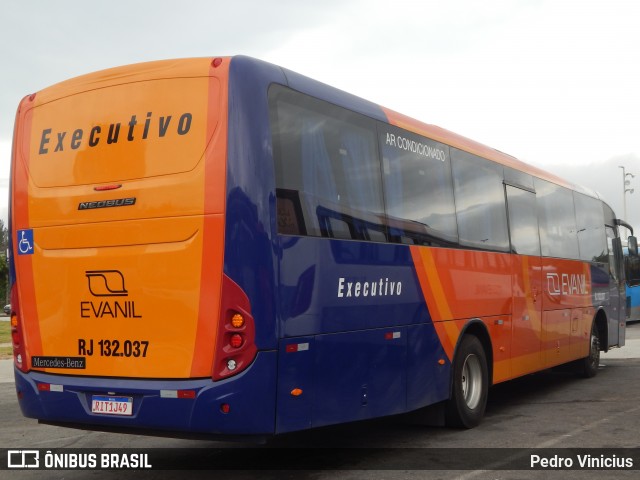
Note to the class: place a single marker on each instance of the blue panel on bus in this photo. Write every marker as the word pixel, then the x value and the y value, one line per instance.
pixel 332 286
pixel 295 384
pixel 428 382
pixel 359 375
pixel 249 259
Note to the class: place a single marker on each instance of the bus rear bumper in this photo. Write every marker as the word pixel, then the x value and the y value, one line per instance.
pixel 194 406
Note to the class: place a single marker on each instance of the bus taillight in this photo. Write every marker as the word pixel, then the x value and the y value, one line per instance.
pixel 236 340
pixel 237 321
pixel 17 337
pixel 236 347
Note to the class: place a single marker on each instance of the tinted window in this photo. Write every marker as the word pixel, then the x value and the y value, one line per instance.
pixel 518 179
pixel 632 269
pixel 556 215
pixel 590 227
pixel 480 203
pixel 612 243
pixel 523 221
pixel 327 169
pixel 418 188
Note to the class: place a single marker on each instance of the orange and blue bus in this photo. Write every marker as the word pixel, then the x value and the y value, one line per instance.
pixel 222 246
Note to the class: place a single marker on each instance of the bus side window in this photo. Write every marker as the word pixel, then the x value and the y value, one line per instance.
pixel 523 221
pixel 326 159
pixel 590 228
pixel 480 202
pixel 557 218
pixel 418 188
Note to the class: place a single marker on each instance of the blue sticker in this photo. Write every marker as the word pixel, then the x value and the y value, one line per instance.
pixel 25 242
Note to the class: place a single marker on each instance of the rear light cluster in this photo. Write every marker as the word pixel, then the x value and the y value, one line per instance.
pixel 236 347
pixel 17 335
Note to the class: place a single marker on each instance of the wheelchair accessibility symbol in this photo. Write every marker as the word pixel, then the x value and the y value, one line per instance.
pixel 25 242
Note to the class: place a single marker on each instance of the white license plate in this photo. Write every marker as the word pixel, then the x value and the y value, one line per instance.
pixel 106 405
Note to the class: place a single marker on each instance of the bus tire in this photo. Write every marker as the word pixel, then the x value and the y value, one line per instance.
pixel 588 366
pixel 470 385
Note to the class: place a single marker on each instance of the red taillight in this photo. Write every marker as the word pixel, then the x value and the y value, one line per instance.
pixel 17 334
pixel 236 347
pixel 236 340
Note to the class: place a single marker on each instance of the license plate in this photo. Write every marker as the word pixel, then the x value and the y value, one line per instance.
pixel 105 405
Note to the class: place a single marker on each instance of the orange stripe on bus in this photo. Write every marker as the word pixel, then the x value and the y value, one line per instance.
pixel 436 299
pixel 24 263
pixel 213 225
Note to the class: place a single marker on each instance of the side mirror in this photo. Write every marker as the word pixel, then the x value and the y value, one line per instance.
pixel 633 246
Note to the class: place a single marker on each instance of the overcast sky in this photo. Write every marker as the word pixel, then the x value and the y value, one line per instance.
pixel 555 83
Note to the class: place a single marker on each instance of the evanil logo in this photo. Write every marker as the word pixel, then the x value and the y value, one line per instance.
pixel 560 284
pixel 376 288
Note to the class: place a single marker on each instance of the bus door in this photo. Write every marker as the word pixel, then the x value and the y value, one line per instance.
pixel 617 299
pixel 527 281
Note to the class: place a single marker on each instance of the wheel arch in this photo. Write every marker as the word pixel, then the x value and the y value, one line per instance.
pixel 602 324
pixel 477 328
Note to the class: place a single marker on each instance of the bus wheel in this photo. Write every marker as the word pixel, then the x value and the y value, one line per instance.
pixel 588 366
pixel 470 387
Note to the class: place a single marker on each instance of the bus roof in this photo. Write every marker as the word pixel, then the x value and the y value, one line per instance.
pixel 463 143
pixel 160 69
pixel 355 103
